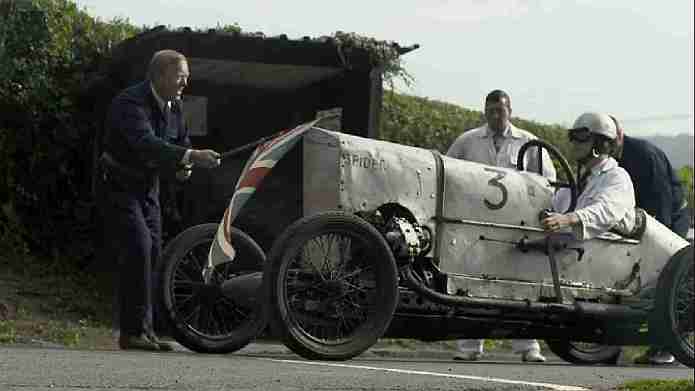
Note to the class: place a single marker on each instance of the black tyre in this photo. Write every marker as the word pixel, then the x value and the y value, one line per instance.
pixel 199 315
pixel 584 353
pixel 332 286
pixel 673 310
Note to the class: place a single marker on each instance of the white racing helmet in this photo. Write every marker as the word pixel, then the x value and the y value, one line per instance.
pixel 597 123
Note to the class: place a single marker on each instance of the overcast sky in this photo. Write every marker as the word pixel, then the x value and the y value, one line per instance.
pixel 556 58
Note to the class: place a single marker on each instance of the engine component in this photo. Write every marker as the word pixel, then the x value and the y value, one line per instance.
pixel 407 239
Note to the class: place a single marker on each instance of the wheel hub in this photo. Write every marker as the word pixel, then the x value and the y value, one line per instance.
pixel 209 293
pixel 335 288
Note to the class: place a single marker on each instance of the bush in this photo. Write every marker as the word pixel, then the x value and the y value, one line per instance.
pixel 423 122
pixel 686 177
pixel 49 51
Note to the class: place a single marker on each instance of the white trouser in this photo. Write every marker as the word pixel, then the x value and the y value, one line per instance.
pixel 518 345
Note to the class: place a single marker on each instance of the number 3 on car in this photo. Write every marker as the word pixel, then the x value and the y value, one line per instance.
pixel 497 182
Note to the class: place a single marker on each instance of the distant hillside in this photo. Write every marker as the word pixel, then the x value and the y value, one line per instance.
pixel 679 149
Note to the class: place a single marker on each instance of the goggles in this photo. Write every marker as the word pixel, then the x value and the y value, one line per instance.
pixel 579 135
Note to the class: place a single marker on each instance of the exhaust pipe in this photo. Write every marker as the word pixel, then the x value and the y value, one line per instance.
pixel 594 310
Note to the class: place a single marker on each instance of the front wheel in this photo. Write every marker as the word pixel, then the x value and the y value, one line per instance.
pixel 673 316
pixel 332 286
pixel 584 353
pixel 203 316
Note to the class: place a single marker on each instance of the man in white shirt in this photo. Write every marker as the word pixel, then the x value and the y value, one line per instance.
pixel 497 143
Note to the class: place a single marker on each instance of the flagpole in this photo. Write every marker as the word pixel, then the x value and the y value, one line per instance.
pixel 245 147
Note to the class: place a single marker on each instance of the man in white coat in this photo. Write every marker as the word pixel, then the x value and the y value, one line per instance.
pixel 497 143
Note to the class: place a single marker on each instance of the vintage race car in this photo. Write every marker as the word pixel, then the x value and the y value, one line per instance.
pixel 404 242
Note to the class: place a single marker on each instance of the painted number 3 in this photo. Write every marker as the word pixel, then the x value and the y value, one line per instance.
pixel 495 182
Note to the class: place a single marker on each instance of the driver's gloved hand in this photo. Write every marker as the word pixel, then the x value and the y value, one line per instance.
pixel 544 213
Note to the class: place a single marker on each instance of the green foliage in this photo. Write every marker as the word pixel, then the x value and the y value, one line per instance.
pixel 48 51
pixel 685 174
pixel 382 54
pixel 423 122
pixel 8 333
pixel 433 124
pixel 53 302
pixel 658 385
pixel 63 332
pixel 229 28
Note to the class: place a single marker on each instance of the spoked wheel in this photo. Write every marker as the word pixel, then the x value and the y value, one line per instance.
pixel 209 317
pixel 332 285
pixel 673 320
pixel 584 352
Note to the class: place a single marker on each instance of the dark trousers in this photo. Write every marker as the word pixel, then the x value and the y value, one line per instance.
pixel 132 229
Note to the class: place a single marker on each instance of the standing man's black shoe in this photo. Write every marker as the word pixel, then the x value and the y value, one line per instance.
pixel 137 342
pixel 163 346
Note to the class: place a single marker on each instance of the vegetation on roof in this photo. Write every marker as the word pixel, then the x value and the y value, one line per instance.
pixel 382 55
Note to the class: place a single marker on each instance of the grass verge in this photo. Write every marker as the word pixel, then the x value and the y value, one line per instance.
pixel 47 303
pixel 658 385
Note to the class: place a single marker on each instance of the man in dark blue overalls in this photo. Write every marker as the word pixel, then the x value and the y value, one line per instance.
pixel 659 192
pixel 141 127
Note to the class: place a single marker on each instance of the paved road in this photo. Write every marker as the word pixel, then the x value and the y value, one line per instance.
pixel 267 367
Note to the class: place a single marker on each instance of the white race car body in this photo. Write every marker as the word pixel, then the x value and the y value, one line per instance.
pixel 484 210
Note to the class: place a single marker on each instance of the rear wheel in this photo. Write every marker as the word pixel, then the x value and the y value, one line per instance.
pixel 332 285
pixel 584 352
pixel 673 316
pixel 200 316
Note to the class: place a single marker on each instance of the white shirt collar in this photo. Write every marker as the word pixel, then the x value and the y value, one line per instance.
pixel 161 102
pixel 603 166
pixel 511 131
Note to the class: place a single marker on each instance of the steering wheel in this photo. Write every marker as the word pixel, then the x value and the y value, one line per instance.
pixel 564 165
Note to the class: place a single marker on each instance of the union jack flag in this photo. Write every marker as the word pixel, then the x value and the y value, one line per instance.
pixel 262 160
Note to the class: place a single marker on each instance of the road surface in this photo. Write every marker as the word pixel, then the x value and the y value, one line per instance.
pixel 270 367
